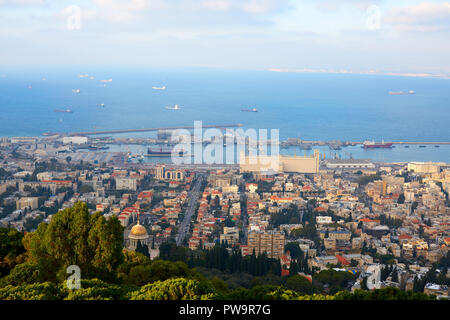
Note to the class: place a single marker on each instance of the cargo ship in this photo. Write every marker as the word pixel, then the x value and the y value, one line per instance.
pixel 249 110
pixel 162 153
pixel 398 93
pixel 373 144
pixel 98 147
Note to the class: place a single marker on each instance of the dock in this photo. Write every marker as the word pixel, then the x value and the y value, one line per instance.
pixel 91 133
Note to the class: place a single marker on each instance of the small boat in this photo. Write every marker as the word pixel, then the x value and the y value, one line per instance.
pixel 162 153
pixel 250 110
pixel 100 104
pixel 437 146
pixel 399 93
pixel 63 111
pixel 175 107
pixel 159 88
pixel 422 146
pixel 98 147
pixel 406 146
pixel 76 90
pixel 372 144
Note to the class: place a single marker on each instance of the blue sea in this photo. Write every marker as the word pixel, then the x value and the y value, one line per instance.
pixel 310 106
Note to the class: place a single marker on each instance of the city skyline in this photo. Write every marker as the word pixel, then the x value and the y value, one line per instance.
pixel 380 37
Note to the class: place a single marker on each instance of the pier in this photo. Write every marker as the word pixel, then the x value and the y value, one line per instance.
pixel 151 129
pixel 337 144
pixel 91 133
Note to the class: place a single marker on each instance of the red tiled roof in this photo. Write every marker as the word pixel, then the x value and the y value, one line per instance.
pixel 369 220
pixel 58 181
pixel 342 260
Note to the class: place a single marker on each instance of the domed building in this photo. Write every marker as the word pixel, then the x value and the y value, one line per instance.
pixel 137 233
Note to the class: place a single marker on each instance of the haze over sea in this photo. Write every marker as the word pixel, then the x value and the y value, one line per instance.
pixel 310 106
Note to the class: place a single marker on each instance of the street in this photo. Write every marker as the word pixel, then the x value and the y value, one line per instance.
pixel 193 197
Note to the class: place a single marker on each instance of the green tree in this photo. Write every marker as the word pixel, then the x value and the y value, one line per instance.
pixel 174 289
pixel 25 273
pixel 294 250
pixel 74 237
pixel 11 249
pixel 142 248
pixel 299 284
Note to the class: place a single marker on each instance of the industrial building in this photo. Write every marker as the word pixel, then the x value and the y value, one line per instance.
pixel 280 163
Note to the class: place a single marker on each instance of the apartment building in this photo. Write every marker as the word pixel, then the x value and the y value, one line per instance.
pixel 271 242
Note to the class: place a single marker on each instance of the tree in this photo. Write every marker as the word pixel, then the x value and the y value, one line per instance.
pixel 74 237
pixel 10 242
pixel 294 250
pixel 401 199
pixel 139 275
pixel 219 285
pixel 25 273
pixel 395 275
pixel 299 284
pixel 11 249
pixel 364 284
pixel 142 248
pixel 414 205
pixel 174 289
pixel 85 188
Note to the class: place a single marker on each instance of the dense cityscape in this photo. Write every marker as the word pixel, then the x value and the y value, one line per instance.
pixel 224 158
pixel 317 229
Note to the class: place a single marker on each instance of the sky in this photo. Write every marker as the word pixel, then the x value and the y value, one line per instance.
pixel 398 36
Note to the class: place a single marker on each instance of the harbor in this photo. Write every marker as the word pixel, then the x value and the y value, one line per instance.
pixel 161 144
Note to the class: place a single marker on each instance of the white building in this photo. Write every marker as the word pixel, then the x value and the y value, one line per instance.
pixel 424 167
pixel 126 184
pixel 324 220
pixel 349 164
pixel 75 140
pixel 373 273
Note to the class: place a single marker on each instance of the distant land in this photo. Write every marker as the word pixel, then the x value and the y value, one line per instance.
pixel 370 72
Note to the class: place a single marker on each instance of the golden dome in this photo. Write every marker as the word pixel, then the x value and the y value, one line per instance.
pixel 138 231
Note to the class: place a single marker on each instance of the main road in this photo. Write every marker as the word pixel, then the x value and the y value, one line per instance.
pixel 193 197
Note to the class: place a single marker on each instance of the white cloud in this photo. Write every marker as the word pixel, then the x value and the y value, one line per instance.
pixel 125 10
pixel 422 17
pixel 22 2
pixel 128 9
pixel 333 5
pixel 263 6
pixel 217 5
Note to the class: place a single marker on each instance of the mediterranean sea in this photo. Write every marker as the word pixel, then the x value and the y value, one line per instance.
pixel 309 106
